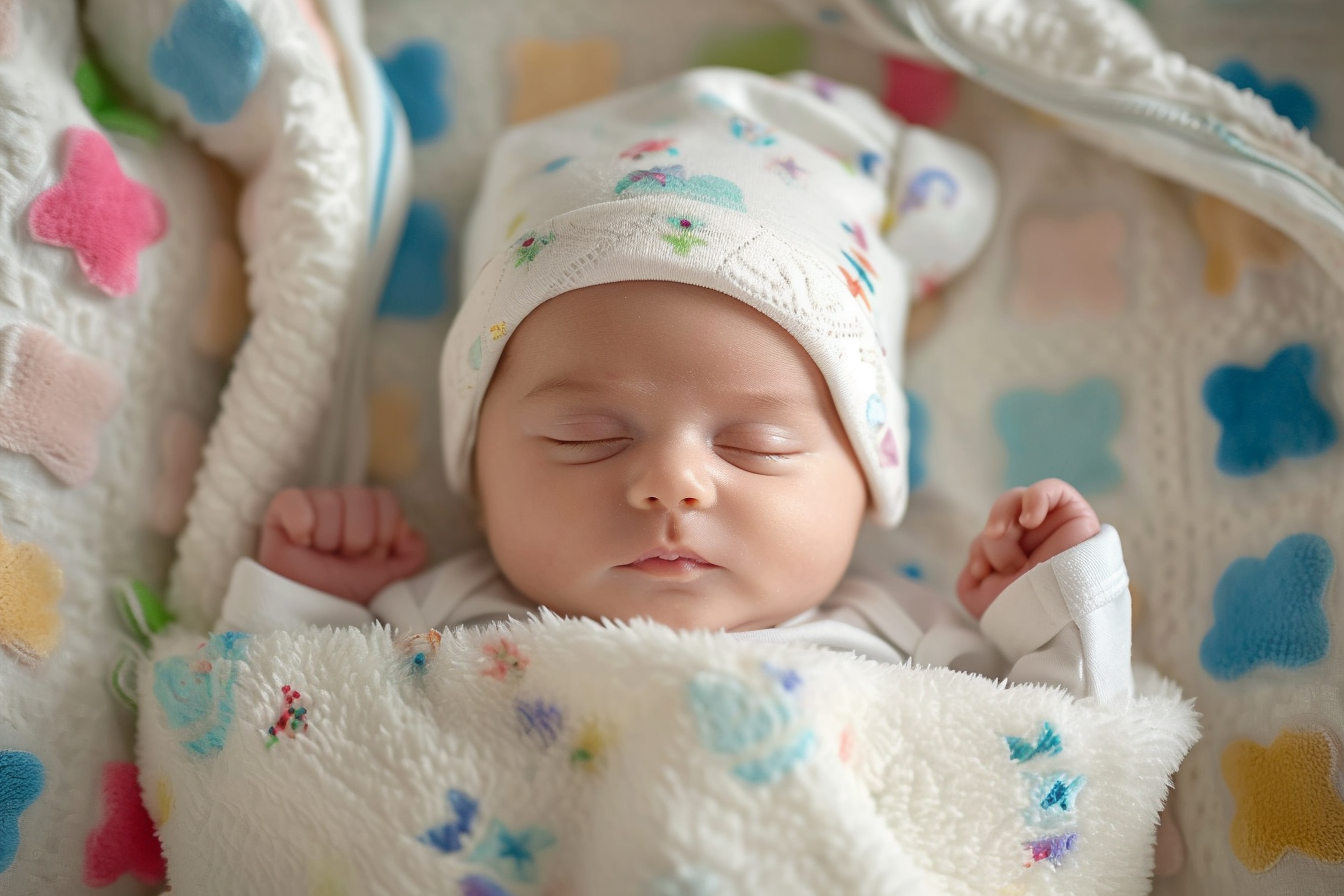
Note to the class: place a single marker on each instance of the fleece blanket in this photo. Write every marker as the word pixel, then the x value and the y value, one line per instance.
pixel 564 756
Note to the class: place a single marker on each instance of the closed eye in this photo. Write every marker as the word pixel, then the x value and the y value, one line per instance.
pixel 583 451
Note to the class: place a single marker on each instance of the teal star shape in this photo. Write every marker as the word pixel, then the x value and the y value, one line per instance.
pixel 512 854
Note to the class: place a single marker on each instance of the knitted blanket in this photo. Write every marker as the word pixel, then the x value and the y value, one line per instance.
pixel 565 756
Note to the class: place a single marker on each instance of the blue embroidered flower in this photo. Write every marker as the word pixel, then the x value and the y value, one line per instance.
pixel 1270 413
pixel 416 285
pixel 540 720
pixel 1052 796
pixel 420 75
pixel 447 838
pixel 1271 610
pixel 758 730
pixel 197 695
pixel 21 781
pixel 213 55
pixel 1064 435
pixel 1289 98
pixel 510 854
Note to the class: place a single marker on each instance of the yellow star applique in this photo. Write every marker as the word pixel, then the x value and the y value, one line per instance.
pixel 549 75
pixel 1235 240
pixel 1286 799
pixel 30 585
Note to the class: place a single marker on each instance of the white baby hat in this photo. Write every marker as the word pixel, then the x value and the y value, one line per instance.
pixel 776 192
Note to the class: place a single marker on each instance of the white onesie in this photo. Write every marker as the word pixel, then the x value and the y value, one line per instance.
pixel 1064 622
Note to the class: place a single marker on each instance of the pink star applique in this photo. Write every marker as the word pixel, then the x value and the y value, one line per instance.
pixel 53 402
pixel 1069 267
pixel 104 216
pixel 124 842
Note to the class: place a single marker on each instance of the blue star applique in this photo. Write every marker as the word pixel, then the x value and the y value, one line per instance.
pixel 512 854
pixel 1289 98
pixel 420 75
pixel 1270 413
pixel 1270 610
pixel 213 55
pixel 416 285
pixel 1066 435
pixel 21 781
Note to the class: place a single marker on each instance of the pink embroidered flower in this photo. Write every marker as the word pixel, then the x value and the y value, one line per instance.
pixel 648 147
pixel 503 660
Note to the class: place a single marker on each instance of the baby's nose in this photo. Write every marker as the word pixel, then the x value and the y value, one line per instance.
pixel 673 477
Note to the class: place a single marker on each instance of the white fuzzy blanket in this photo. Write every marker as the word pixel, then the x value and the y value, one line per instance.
pixel 560 756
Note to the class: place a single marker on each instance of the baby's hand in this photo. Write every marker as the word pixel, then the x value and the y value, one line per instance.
pixel 1026 526
pixel 350 541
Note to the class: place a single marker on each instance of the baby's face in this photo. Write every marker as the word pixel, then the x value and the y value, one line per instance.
pixel 665 451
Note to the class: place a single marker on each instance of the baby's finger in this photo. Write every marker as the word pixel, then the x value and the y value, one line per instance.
pixel 389 517
pixel 330 519
pixel 977 564
pixel 360 522
pixel 1005 553
pixel 1004 512
pixel 292 512
pixel 1039 500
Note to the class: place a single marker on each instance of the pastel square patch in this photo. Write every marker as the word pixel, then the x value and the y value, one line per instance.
pixel 53 402
pixel 1069 266
pixel 1271 610
pixel 1270 413
pixel 212 54
pixel 549 76
pixel 1064 434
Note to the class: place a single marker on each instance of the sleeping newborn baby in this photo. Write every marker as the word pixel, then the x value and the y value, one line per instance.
pixel 672 392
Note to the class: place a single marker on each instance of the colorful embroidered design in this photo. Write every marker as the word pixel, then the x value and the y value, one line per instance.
pixel 1286 799
pixel 197 695
pixel 759 731
pixel 1271 610
pixel 142 611
pixel 788 169
pixel 683 238
pixel 876 411
pixel 1289 98
pixel 22 778
pixel 419 74
pixel 590 746
pixel 540 721
pixel 889 455
pixel 871 163
pixel 498 331
pixel 528 246
pixel 650 147
pixel 1051 797
pixel 504 661
pixel 104 216
pixel 512 854
pixel 922 187
pixel 1047 743
pixel 1270 413
pixel 417 286
pixel 855 229
pixel 447 838
pixel 674 179
pixel 1051 849
pixel 293 719
pixel 213 55
pixel 1069 266
pixel 106 105
pixel 863 270
pixel 419 650
pixel 1066 435
pixel 752 133
pixel 556 164
pixel 124 842
pixel 480 885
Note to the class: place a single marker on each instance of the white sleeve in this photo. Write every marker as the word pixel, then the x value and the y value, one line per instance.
pixel 259 600
pixel 1067 621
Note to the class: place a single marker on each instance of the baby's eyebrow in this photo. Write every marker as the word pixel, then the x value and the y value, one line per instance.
pixel 761 400
pixel 567 384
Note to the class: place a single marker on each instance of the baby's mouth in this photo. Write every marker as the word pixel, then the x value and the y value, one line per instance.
pixel 670 563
